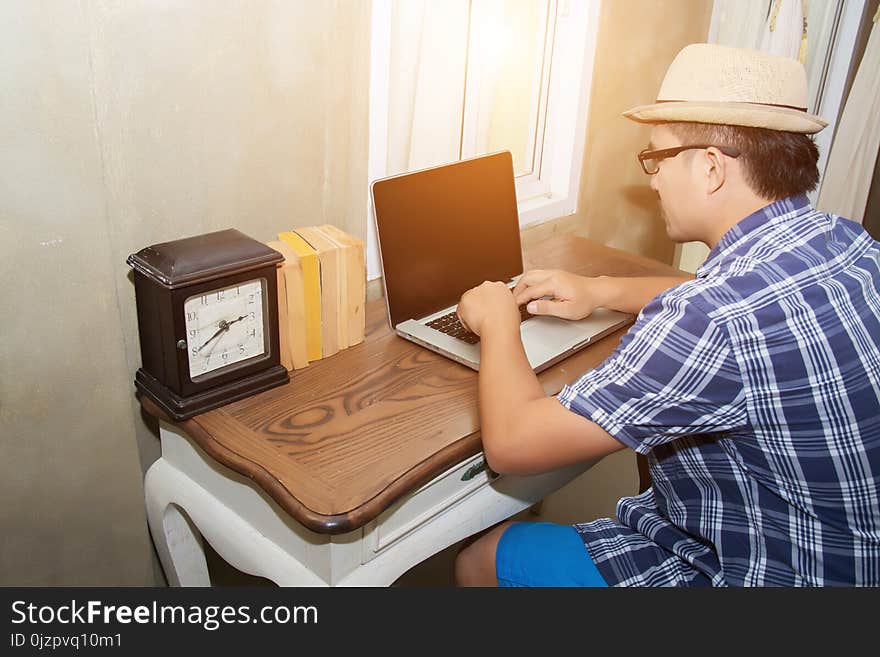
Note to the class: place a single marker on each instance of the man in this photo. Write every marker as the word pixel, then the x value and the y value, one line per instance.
pixel 752 389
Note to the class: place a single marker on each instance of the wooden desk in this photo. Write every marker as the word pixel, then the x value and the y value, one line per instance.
pixel 358 468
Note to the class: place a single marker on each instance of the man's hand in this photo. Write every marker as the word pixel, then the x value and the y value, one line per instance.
pixel 571 296
pixel 488 305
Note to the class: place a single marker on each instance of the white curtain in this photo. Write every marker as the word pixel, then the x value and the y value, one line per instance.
pixel 430 60
pixel 784 32
pixel 820 27
pixel 426 79
pixel 850 169
pixel 738 23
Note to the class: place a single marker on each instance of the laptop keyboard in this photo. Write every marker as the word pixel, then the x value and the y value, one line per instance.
pixel 450 325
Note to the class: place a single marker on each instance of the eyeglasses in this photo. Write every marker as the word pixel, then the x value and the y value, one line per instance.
pixel 650 160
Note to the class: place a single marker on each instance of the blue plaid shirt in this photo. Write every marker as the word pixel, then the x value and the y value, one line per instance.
pixel 754 391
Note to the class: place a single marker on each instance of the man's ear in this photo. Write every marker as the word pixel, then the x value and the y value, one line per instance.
pixel 715 168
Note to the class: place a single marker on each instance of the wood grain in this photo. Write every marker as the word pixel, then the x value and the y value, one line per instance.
pixel 352 433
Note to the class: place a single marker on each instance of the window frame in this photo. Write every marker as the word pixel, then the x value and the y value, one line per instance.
pixel 549 193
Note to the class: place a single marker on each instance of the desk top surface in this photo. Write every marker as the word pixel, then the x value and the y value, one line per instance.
pixel 352 433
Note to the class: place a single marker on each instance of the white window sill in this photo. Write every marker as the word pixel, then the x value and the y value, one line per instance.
pixel 544 208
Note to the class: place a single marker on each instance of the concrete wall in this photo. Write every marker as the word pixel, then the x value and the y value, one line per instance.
pixel 123 124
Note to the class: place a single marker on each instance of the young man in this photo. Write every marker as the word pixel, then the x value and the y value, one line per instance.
pixel 753 389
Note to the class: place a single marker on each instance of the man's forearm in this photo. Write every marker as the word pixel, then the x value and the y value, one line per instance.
pixel 631 294
pixel 507 382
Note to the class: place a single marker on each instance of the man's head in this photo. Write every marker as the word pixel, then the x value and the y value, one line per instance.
pixel 737 125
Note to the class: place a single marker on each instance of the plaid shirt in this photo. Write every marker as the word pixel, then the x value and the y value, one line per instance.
pixel 754 391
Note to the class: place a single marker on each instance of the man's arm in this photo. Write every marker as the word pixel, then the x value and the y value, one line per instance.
pixel 523 431
pixel 631 294
pixel 570 296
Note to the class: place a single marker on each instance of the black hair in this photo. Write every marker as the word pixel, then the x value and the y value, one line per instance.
pixel 776 164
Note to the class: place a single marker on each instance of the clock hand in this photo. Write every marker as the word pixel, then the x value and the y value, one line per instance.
pixel 236 320
pixel 224 326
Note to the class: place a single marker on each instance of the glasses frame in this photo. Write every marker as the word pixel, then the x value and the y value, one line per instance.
pixel 665 153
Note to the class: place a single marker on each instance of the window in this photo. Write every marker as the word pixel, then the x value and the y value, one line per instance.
pixel 453 79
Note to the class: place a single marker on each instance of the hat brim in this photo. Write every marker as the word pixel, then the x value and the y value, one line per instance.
pixel 725 113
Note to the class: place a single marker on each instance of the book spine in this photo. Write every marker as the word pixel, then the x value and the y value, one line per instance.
pixel 291 308
pixel 329 293
pixel 311 275
pixel 356 282
pixel 283 320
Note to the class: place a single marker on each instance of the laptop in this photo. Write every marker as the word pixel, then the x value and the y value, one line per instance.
pixel 444 230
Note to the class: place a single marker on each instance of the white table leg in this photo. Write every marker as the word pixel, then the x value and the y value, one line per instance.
pixel 178 543
pixel 191 500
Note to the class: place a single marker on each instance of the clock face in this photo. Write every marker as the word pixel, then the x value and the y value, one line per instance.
pixel 225 327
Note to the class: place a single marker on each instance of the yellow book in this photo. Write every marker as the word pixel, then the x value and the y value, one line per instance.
pixel 291 309
pixel 332 338
pixel 355 281
pixel 311 272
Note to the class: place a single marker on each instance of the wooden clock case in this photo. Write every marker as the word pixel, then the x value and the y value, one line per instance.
pixel 165 276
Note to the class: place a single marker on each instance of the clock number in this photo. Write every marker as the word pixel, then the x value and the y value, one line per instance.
pixel 221 295
pixel 253 333
pixel 204 299
pixel 253 317
pixel 251 297
pixel 193 332
pixel 224 356
pixel 192 316
pixel 241 348
pixel 195 352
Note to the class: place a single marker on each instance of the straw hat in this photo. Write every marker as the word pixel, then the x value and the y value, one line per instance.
pixel 707 83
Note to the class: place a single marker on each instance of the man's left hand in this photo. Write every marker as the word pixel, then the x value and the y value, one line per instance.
pixel 488 306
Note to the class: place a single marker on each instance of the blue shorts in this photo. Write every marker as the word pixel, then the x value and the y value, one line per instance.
pixel 544 554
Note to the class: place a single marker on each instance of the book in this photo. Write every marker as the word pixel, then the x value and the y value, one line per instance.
pixel 332 336
pixel 311 286
pixel 342 290
pixel 355 281
pixel 283 325
pixel 291 309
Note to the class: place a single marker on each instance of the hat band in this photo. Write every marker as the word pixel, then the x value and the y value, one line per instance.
pixel 736 102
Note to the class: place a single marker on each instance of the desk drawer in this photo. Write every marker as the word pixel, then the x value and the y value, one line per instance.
pixel 432 499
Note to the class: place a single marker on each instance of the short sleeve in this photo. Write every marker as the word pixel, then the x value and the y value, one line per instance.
pixel 673 375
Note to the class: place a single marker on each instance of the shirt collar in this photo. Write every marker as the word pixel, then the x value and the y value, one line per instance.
pixel 746 229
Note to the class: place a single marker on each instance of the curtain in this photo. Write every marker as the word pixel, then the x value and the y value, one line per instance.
pixel 426 80
pixel 785 31
pixel 739 23
pixel 820 27
pixel 850 169
pixel 430 61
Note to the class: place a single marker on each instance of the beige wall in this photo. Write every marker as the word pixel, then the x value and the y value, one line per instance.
pixel 637 41
pixel 123 125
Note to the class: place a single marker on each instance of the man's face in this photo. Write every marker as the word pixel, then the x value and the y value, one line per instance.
pixel 675 185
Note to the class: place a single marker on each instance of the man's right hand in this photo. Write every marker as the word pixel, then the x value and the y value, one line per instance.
pixel 571 296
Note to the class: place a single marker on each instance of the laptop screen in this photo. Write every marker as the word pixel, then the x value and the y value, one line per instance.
pixel 445 230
